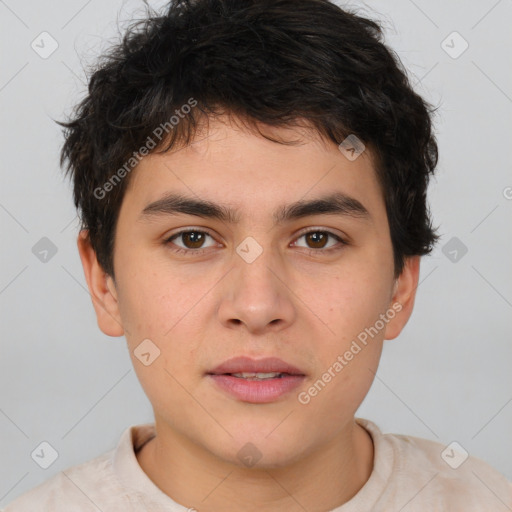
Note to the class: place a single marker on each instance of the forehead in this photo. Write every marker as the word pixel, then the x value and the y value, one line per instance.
pixel 241 170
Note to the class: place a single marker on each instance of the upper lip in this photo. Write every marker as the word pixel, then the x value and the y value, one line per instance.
pixel 248 365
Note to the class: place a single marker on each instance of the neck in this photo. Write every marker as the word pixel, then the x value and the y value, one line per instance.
pixel 321 481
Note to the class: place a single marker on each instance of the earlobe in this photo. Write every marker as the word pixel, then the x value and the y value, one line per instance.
pixel 101 288
pixel 404 294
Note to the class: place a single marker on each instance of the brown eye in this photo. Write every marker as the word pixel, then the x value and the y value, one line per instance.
pixel 318 239
pixel 191 240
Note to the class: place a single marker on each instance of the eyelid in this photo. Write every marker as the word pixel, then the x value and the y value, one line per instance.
pixel 322 229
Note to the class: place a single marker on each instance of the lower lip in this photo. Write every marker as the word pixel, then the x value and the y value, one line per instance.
pixel 257 391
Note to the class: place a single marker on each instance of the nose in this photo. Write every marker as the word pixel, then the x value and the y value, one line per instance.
pixel 257 296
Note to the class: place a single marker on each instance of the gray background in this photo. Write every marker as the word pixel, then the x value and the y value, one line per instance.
pixel 447 377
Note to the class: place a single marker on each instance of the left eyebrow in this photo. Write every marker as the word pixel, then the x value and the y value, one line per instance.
pixel 336 203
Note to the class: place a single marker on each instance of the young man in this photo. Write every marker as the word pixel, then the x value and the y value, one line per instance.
pixel 251 177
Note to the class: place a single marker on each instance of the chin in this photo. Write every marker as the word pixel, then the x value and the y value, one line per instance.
pixel 259 452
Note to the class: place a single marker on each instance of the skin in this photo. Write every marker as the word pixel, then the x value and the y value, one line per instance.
pixel 201 310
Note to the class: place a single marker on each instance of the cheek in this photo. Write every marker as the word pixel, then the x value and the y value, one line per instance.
pixel 344 376
pixel 353 303
pixel 352 300
pixel 153 300
pixel 164 308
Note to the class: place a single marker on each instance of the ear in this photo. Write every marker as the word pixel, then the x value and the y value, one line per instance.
pixel 404 294
pixel 101 287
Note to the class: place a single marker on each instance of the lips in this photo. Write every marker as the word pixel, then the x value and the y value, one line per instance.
pixel 239 365
pixel 257 381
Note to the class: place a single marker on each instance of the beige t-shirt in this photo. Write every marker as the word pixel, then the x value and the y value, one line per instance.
pixel 409 475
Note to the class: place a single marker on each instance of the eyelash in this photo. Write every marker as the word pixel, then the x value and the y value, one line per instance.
pixel 180 250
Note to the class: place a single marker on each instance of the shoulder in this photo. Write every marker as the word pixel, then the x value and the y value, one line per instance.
pixel 442 477
pixel 110 482
pixel 74 488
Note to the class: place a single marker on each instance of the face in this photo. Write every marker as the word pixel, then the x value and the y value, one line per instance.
pixel 303 289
